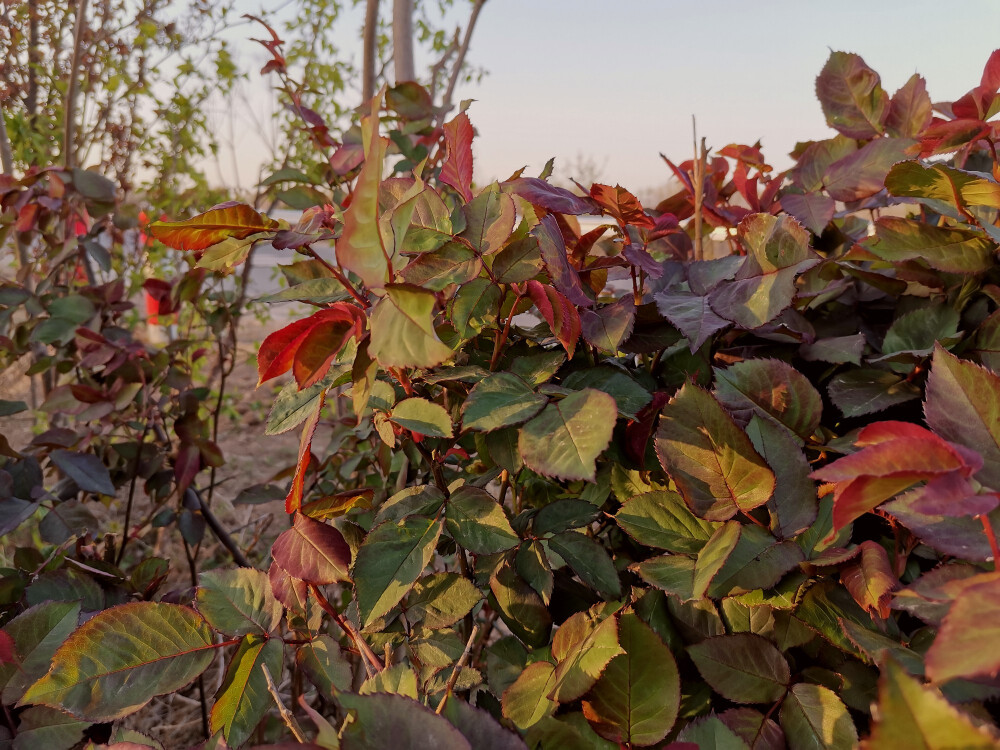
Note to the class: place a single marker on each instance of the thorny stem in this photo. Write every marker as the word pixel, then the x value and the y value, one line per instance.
pixel 698 177
pixel 371 661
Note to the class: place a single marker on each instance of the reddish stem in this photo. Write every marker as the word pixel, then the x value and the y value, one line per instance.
pixel 372 662
pixel 988 529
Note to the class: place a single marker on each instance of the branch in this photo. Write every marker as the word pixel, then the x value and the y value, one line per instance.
pixel 402 40
pixel 460 60
pixel 286 715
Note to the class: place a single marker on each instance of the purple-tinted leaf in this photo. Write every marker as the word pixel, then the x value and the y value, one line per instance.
pixel 312 551
pixel 385 721
pixel 765 283
pixel 774 390
pixel 607 327
pixel 862 173
pixel 86 470
pixel 960 537
pixel 553 250
pixel 551 198
pixel 910 110
pixel 963 406
pixel 793 506
pixel 744 668
pixel 952 495
pixel 757 730
pixel 851 96
pixel 637 256
pixel 813 210
pixel 691 314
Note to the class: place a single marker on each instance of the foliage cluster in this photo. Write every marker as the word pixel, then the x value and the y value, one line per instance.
pixel 585 489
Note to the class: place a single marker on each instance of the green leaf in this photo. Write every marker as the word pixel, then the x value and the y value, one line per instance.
pixel 419 500
pixel 866 391
pixel 793 506
pixel 710 732
pixel 713 556
pixel 949 249
pixel 86 470
pixel 238 601
pixel 489 219
pixel 636 699
pixel 589 560
pixel 403 329
pixel 243 698
pixel 758 561
pixel 36 633
pixel 526 702
pixel 41 726
pixel 7 408
pixel 711 460
pixel 561 515
pixel 743 668
pixel 661 519
pixel 520 606
pixel 939 182
pixel 292 406
pixel 671 573
pixel 912 716
pixel 917 331
pixel 583 647
pixel 478 522
pixel 963 406
pixel 423 416
pixel 440 600
pixel 361 247
pixel 475 306
pixel 318 291
pixel 627 393
pixel 517 262
pixel 399 679
pixel 452 263
pixel 120 659
pixel 325 665
pixel 852 97
pixel 565 440
pixel 479 728
pixel 533 566
pixel 774 390
pixel 312 551
pixel 814 718
pixel 499 400
pixel 764 286
pixel 383 721
pixel 390 560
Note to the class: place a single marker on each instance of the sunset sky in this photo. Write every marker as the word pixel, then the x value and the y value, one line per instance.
pixel 616 83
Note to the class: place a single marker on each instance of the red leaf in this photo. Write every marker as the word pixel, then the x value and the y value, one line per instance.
pixel 227 220
pixel 943 136
pixel 556 199
pixel 553 250
pixel 186 465
pixel 26 217
pixel 457 167
pixel 870 580
pixel 894 457
pixel 161 293
pixel 312 551
pixel 559 313
pixel 293 501
pixel 279 352
pixel 621 205
pixel 951 495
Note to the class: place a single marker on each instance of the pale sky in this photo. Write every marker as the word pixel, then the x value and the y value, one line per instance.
pixel 616 82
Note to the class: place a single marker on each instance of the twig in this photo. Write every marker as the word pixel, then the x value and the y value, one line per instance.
pixel 458 668
pixel 460 60
pixel 372 663
pixel 698 177
pixel 286 715
pixel 131 495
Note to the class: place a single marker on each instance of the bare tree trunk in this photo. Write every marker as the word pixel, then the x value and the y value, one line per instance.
pixel 6 156
pixel 34 60
pixel 370 41
pixel 69 110
pixel 402 40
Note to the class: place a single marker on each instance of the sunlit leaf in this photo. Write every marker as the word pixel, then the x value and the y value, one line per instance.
pixel 456 170
pixel 238 601
pixel 121 658
pixel 852 97
pixel 710 459
pixel 813 717
pixel 478 522
pixel 402 329
pixel 237 221
pixel 773 389
pixel 243 698
pixel 567 437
